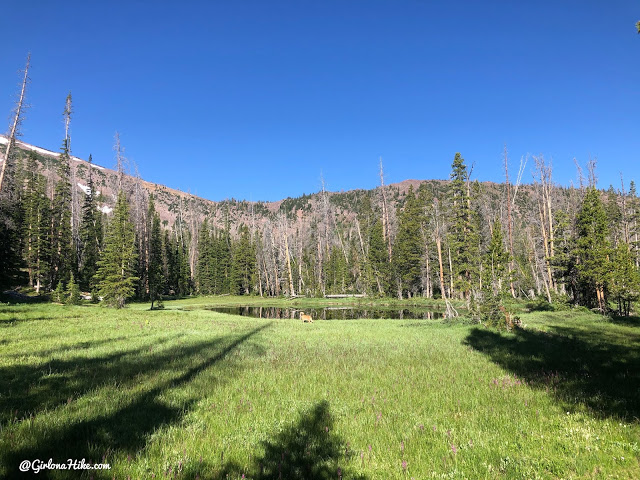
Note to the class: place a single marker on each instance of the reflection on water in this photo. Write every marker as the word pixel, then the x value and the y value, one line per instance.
pixel 328 313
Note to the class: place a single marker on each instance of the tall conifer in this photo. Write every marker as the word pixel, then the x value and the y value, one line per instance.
pixel 155 264
pixel 62 252
pixel 116 280
pixel 463 235
pixel 36 226
pixel 91 235
pixel 409 249
pixel 592 250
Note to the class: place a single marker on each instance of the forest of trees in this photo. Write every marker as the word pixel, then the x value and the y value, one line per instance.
pixel 455 240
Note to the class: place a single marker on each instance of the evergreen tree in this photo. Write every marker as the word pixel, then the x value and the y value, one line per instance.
pixel 224 258
pixel 169 263
pixel 91 235
pixel 614 216
pixel 336 271
pixel 155 264
pixel 206 260
pixel 592 251
pixel 633 205
pixel 36 226
pixel 10 227
pixel 116 281
pixel 73 292
pixel 497 260
pixel 62 256
pixel 58 294
pixel 625 283
pixel 463 235
pixel 244 263
pixel 409 249
pixel 185 285
pixel 378 259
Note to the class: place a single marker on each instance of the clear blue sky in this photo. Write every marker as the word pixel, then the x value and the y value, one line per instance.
pixel 255 100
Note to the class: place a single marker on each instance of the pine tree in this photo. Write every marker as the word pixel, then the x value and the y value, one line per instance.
pixel 497 260
pixel 36 226
pixel 592 251
pixel 244 263
pixel 62 260
pixel 116 281
pixel 463 235
pixel 633 205
pixel 378 259
pixel 224 258
pixel 614 216
pixel 205 262
pixel 72 292
pixel 91 236
pixel 58 294
pixel 155 264
pixel 408 249
pixel 625 283
pixel 185 285
pixel 336 271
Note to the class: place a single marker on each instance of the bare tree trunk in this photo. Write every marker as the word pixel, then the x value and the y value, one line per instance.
pixel 386 228
pixel 428 272
pixel 15 124
pixel 119 161
pixel 509 222
pixel 275 266
pixel 625 217
pixel 292 292
pixel 450 273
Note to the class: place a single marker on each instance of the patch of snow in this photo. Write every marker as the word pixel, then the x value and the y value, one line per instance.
pixel 87 190
pixel 105 209
pixel 97 166
pixel 4 140
pixel 84 188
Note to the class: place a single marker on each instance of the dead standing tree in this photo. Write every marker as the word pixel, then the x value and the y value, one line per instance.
pixel 14 129
pixel 283 226
pixel 438 234
pixel 386 228
pixel 544 186
pixel 75 201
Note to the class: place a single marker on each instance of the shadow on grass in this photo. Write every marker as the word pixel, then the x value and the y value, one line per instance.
pixel 79 346
pixel 125 429
pixel 11 322
pixel 308 450
pixel 598 368
pixel 633 321
pixel 29 389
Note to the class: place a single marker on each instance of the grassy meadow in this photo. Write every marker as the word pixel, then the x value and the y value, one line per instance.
pixel 187 393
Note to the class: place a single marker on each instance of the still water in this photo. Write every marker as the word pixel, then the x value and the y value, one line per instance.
pixel 328 313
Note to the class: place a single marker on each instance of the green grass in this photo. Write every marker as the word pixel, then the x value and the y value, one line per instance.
pixel 197 394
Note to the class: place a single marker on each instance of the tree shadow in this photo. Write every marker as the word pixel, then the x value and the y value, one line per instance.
pixel 13 321
pixel 308 450
pixel 600 369
pixel 632 321
pixel 29 389
pixel 125 429
pixel 79 346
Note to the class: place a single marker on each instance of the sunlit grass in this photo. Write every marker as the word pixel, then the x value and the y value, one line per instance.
pixel 198 394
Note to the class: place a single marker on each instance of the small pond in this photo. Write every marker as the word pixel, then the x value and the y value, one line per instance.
pixel 329 313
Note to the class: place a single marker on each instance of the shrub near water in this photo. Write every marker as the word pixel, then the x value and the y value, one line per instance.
pixel 204 395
